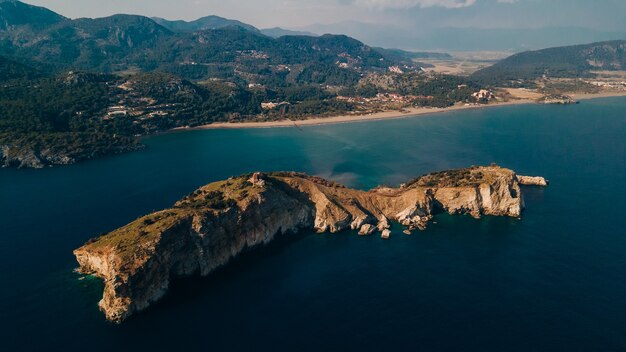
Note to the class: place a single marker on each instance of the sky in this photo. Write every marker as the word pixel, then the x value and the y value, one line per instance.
pixel 605 15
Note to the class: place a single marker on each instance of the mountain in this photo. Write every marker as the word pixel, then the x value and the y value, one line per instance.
pixel 568 61
pixel 110 79
pixel 238 53
pixel 204 23
pixel 510 39
pixel 278 32
pixel 216 22
pixel 103 44
pixel 336 46
pixel 15 13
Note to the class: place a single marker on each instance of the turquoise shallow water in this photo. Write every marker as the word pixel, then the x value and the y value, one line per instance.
pixel 554 281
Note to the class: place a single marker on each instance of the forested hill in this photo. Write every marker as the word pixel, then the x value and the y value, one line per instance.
pixel 201 24
pixel 15 13
pixel 10 70
pixel 72 116
pixel 77 89
pixel 210 47
pixel 277 32
pixel 560 62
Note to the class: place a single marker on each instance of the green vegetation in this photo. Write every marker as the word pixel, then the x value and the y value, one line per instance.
pixel 11 70
pixel 135 238
pixel 75 116
pixel 62 147
pixel 151 76
pixel 204 23
pixel 434 90
pixel 69 117
pixel 208 50
pixel 61 117
pixel 220 195
pixel 211 200
pixel 49 120
pixel 451 178
pixel 142 233
pixel 315 179
pixel 521 70
pixel 558 87
pixel 16 13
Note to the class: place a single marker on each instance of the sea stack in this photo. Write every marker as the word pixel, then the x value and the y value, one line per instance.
pixel 532 181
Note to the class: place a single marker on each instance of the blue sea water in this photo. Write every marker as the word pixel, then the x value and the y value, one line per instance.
pixel 553 281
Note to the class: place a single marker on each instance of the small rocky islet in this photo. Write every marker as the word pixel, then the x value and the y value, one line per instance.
pixel 219 221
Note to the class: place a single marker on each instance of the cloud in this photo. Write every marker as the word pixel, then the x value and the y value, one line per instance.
pixel 405 4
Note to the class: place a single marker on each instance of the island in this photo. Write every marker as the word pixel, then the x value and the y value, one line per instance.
pixel 220 221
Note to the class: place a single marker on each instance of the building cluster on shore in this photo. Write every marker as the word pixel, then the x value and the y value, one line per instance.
pixel 613 85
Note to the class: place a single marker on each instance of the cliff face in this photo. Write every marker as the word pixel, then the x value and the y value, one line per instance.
pixel 206 229
pixel 29 158
pixel 59 148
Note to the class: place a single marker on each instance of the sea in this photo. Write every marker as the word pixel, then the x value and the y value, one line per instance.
pixel 554 280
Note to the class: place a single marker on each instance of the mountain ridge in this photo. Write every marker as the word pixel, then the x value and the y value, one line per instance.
pixel 558 62
pixel 228 48
pixel 277 32
pixel 203 23
pixel 16 13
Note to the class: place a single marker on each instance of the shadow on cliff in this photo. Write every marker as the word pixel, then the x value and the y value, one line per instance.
pixel 188 290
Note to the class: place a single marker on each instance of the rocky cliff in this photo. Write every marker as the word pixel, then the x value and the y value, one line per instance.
pixel 532 181
pixel 29 158
pixel 217 222
pixel 62 149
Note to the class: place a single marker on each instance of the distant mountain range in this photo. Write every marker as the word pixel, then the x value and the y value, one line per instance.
pixel 464 39
pixel 277 32
pixel 216 47
pixel 569 61
pixel 208 47
pixel 202 24
pixel 78 89
pixel 15 13
pixel 415 55
pixel 216 22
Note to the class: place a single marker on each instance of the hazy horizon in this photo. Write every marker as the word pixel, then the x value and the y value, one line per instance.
pixel 410 24
pixel 605 16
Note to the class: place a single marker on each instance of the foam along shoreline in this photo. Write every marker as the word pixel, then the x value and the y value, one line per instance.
pixel 385 115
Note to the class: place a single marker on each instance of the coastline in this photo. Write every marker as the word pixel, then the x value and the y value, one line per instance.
pixel 331 120
pixel 384 115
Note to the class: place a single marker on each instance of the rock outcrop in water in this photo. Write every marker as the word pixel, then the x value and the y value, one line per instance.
pixel 217 222
pixel 34 155
pixel 532 181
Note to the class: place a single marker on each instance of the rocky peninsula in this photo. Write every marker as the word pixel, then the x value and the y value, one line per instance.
pixel 214 224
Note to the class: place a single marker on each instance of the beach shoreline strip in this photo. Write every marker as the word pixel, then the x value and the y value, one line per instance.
pixel 385 115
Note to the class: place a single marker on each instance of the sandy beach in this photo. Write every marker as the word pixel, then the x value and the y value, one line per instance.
pixel 386 115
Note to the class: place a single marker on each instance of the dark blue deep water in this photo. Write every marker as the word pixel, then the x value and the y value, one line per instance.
pixel 553 281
